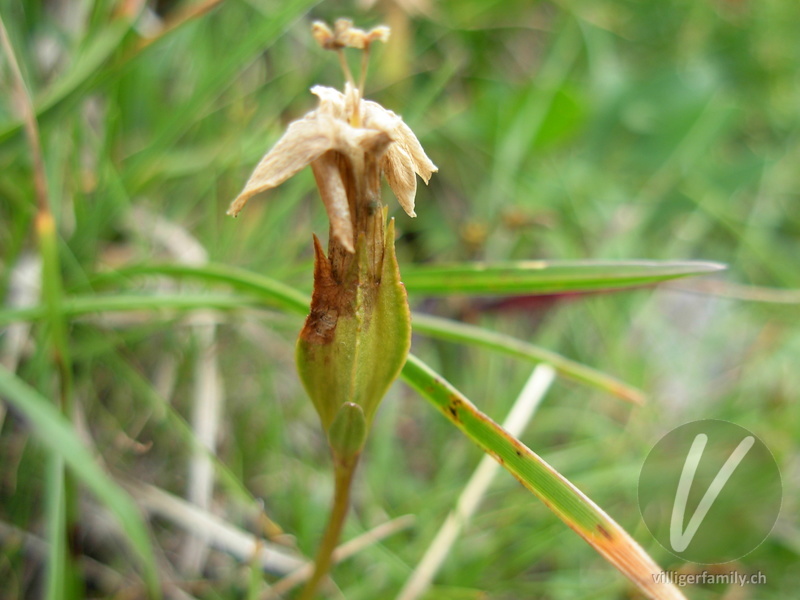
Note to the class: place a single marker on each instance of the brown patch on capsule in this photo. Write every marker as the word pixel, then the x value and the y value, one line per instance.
pixel 328 302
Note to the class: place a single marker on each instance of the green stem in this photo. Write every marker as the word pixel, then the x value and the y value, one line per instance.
pixel 341 503
pixel 66 580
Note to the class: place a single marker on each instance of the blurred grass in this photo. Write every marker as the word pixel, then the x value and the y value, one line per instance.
pixel 565 130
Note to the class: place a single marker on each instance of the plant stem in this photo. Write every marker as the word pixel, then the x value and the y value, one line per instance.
pixel 64 578
pixel 343 474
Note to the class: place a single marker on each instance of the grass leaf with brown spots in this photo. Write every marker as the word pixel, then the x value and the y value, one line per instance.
pixel 568 503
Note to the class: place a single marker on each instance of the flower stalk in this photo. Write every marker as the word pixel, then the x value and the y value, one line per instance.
pixel 357 335
pixel 343 480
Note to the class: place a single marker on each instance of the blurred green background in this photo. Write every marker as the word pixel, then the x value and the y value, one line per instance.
pixel 562 130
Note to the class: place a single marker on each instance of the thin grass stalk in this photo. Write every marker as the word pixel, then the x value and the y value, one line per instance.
pixel 61 483
pixel 64 575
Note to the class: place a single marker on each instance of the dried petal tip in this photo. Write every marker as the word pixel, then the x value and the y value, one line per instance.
pixel 352 37
pixel 378 34
pixel 344 35
pixel 404 158
pixel 304 141
pixel 323 35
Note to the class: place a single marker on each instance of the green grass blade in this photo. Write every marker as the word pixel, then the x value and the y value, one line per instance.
pixel 178 426
pixel 426 324
pixel 289 298
pixel 547 277
pixel 87 63
pixel 280 294
pixel 568 503
pixel 85 66
pixel 283 296
pixel 57 555
pixel 65 581
pixel 262 31
pixel 54 431
pixel 455 331
pixel 84 305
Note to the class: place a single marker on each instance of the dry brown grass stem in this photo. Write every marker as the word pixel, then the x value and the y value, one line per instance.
pixel 24 105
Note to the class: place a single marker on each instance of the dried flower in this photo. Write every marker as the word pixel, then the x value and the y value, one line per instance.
pixel 343 128
pixel 358 333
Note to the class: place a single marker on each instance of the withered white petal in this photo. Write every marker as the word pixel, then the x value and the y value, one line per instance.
pixel 378 34
pixel 423 166
pixel 402 135
pixel 334 197
pixel 377 117
pixel 331 101
pixel 400 177
pixel 370 140
pixel 345 137
pixel 304 141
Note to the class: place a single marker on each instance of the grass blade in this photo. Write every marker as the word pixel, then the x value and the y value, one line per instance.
pixel 547 277
pixel 84 67
pixel 84 305
pixel 64 578
pixel 528 401
pixel 456 331
pixel 286 297
pixel 59 569
pixel 568 503
pixel 280 295
pixel 283 296
pixel 263 30
pixel 54 431
pixel 273 295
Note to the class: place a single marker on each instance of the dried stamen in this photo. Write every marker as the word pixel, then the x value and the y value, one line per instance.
pixel 344 35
